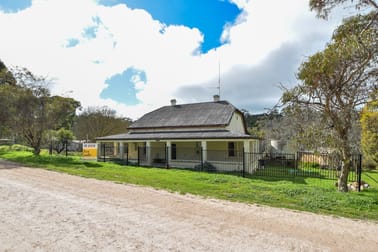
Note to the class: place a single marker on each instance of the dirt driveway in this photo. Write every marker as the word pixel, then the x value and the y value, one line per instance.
pixel 49 211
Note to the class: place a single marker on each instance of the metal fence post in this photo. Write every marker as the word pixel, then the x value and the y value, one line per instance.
pixel 243 163
pixel 103 151
pixel 359 171
pixel 138 154
pixel 66 142
pixel 127 154
pixel 201 158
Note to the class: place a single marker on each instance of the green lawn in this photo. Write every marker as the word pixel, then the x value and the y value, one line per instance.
pixel 307 194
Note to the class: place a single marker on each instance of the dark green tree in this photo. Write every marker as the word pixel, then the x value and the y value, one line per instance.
pixel 6 76
pixel 34 111
pixel 58 139
pixel 7 87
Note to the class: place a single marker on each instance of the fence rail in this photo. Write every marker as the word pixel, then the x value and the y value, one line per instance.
pixel 277 165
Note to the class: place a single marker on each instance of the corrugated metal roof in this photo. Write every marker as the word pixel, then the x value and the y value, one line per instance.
pixel 188 115
pixel 171 135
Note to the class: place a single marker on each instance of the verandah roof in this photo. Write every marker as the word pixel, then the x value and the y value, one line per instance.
pixel 177 135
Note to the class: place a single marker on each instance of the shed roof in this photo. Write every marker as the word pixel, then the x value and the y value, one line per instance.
pixel 188 115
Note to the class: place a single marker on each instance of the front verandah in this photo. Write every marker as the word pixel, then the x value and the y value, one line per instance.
pixel 220 155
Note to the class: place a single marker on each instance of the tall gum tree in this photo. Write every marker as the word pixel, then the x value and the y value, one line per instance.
pixel 339 80
pixel 323 8
pixel 36 111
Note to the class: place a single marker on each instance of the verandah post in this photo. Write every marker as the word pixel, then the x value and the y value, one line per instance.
pixel 166 157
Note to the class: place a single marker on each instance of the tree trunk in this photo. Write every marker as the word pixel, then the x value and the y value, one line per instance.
pixel 343 178
pixel 37 151
pixel 37 147
pixel 346 158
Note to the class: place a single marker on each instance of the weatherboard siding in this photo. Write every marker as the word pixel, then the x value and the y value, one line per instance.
pixel 236 124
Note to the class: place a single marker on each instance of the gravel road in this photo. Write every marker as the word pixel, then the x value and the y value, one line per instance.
pixel 49 211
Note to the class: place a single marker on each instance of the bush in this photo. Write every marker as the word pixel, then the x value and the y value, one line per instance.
pixel 19 147
pixel 309 165
pixel 5 148
pixel 369 164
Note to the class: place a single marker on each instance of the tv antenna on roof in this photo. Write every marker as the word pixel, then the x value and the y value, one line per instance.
pixel 219 78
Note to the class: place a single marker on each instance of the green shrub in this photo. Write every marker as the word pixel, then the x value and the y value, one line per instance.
pixel 19 147
pixel 4 148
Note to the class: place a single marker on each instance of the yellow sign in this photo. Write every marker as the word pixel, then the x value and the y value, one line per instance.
pixel 89 150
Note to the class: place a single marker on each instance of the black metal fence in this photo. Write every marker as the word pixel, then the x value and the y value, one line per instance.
pixel 308 164
pixel 238 162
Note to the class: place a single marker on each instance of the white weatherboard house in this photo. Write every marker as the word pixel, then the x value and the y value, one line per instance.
pixel 186 136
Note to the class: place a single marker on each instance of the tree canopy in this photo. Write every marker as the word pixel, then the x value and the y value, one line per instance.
pixel 338 80
pixel 29 109
pixel 6 76
pixel 99 121
pixel 369 124
pixel 324 7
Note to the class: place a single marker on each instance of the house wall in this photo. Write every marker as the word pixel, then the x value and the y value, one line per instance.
pixel 158 150
pixel 254 146
pixel 188 150
pixel 218 151
pixel 133 149
pixel 236 124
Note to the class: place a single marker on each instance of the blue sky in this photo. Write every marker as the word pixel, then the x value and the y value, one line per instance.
pixel 14 5
pixel 136 55
pixel 209 16
pixel 122 86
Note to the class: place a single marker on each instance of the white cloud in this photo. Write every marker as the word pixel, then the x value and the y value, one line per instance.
pixel 37 38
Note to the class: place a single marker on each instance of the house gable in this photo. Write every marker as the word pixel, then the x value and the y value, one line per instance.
pixel 237 123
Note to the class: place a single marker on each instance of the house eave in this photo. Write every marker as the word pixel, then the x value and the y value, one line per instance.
pixel 177 135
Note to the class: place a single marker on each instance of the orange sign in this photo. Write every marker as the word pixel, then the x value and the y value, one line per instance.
pixel 89 150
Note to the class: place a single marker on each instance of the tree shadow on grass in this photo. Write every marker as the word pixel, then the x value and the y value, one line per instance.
pixel 91 164
pixel 370 177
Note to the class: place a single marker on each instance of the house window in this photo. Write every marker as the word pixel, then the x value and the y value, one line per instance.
pixel 231 149
pixel 173 151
